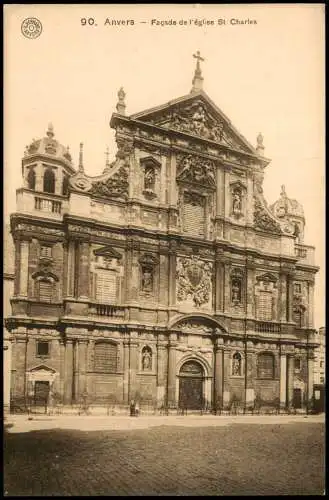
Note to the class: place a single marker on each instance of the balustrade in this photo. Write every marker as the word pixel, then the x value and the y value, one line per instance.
pixel 268 327
pixel 48 205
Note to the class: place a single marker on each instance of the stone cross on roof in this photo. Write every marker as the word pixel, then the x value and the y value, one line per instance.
pixel 197 79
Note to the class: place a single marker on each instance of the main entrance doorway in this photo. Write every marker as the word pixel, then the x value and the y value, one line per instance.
pixel 191 378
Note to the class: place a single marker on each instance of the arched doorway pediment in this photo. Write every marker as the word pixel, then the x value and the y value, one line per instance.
pixel 200 323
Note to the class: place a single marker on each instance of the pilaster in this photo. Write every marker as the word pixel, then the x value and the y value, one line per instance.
pixel 68 379
pixel 172 369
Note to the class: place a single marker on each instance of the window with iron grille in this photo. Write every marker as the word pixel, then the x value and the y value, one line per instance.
pixel 264 306
pixel 45 251
pixel 265 366
pixel 107 286
pixel 45 291
pixel 194 214
pixel 106 357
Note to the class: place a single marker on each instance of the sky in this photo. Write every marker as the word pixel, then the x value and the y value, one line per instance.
pixel 266 77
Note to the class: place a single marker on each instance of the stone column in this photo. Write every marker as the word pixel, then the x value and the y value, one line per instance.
pixel 128 271
pixel 68 379
pixel 23 268
pixel 83 288
pixel 82 382
pixel 126 371
pixel 290 292
pixel 133 367
pixel 282 299
pixel 65 268
pixel 162 361
pixel 75 382
pixel 250 289
pixel 219 284
pixel 19 366
pixel 172 274
pixel 172 369
pixel 310 308
pixel 61 369
pixel 220 202
pixel 310 376
pixel 227 287
pixel 290 379
pixel 226 375
pixel 7 353
pixel 283 380
pixel 250 373
pixel 218 375
pixel 71 270
pixel 172 184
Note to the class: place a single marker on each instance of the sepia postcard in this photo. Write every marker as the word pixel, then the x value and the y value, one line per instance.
pixel 164 250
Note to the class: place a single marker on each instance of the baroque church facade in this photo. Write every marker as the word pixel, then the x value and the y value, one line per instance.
pixel 167 278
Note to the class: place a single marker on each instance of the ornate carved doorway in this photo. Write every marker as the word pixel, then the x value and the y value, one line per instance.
pixel 191 378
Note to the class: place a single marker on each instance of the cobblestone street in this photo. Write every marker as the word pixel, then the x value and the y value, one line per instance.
pixel 164 456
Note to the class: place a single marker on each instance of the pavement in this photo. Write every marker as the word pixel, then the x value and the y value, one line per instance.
pixel 23 423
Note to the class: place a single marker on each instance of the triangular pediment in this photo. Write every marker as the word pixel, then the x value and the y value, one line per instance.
pixel 108 252
pixel 197 115
pixel 42 368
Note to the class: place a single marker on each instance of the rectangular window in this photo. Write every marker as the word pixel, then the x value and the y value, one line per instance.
pixel 297 364
pixel 45 251
pixel 106 357
pixel 266 366
pixel 42 348
pixel 194 215
pixel 106 287
pixel 298 288
pixel 264 306
pixel 45 291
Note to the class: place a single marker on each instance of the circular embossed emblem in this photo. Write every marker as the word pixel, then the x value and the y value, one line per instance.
pixel 31 27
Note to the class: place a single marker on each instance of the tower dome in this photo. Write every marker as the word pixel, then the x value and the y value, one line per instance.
pixel 286 208
pixel 48 146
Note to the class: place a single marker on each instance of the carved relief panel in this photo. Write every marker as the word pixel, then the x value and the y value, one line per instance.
pixel 194 282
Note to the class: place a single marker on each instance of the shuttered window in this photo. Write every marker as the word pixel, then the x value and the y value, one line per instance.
pixel 266 365
pixel 194 215
pixel 106 357
pixel 264 306
pixel 45 291
pixel 107 287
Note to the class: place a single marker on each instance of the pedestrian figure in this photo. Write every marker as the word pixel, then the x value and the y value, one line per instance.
pixel 132 408
pixel 136 409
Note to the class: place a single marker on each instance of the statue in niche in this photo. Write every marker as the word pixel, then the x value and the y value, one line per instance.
pixel 237 205
pixel 236 290
pixel 236 364
pixel 146 359
pixel 149 179
pixel 147 279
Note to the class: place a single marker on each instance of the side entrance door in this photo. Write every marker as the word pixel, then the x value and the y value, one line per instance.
pixel 41 392
pixel 297 398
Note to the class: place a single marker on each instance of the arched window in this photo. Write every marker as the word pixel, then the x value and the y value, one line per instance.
pixel 237 364
pixel 146 358
pixel 31 179
pixel 106 357
pixel 49 181
pixel 265 365
pixel 65 186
